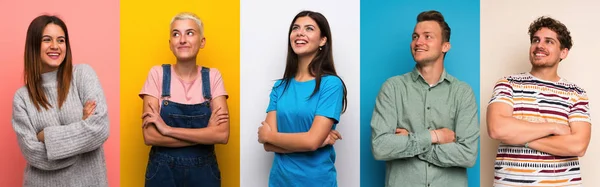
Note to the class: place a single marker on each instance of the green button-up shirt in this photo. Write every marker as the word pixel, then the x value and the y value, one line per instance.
pixel 408 102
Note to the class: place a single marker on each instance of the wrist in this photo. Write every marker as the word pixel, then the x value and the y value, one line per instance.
pixel 434 137
pixel 269 136
pixel 553 128
pixel 168 130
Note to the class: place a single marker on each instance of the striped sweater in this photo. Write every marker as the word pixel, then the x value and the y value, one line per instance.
pixel 537 100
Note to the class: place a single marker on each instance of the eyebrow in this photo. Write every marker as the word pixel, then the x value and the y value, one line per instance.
pixel 175 30
pixel 426 32
pixel 547 38
pixel 44 36
pixel 304 25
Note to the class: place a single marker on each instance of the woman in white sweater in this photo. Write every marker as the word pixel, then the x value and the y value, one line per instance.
pixel 60 115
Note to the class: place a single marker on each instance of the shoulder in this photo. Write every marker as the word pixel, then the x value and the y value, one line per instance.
pixel 517 77
pixel 331 80
pixel 213 72
pixel 397 80
pixel 20 95
pixel 83 70
pixel 572 87
pixel 458 84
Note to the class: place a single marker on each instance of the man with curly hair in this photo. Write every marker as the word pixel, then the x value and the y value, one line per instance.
pixel 541 119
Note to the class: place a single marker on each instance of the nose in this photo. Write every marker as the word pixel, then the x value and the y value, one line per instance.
pixel 540 46
pixel 54 45
pixel 300 32
pixel 182 39
pixel 420 41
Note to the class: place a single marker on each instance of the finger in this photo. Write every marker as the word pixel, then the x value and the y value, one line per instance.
pixel 337 134
pixel 146 114
pixel 215 111
pixel 222 121
pixel 333 136
pixel 264 123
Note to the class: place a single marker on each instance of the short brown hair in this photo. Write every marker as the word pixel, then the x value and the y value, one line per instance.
pixel 563 34
pixel 436 16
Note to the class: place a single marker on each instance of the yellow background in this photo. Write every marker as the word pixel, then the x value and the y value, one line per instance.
pixel 144 43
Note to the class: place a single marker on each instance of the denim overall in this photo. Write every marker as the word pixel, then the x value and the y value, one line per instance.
pixel 184 166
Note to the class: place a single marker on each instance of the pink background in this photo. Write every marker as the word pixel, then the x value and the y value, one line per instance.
pixel 94 33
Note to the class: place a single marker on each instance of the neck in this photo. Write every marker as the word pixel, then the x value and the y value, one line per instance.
pixel 186 70
pixel 303 72
pixel 431 72
pixel 46 69
pixel 546 73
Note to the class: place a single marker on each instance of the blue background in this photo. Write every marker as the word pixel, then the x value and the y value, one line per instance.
pixel 386 28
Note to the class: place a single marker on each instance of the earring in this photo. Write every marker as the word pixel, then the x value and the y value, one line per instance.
pixel 320 49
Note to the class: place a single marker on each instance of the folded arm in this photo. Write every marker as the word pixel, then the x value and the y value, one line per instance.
pixel 33 150
pixel 217 132
pixel 574 144
pixel 385 143
pixel 462 152
pixel 502 126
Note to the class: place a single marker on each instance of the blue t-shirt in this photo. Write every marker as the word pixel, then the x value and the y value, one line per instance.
pixel 296 111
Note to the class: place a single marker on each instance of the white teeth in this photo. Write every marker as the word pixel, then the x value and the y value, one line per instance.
pixel 301 42
pixel 540 54
pixel 52 54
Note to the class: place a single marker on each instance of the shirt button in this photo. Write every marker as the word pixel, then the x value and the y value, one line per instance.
pixel 428 184
pixel 429 165
pixel 428 108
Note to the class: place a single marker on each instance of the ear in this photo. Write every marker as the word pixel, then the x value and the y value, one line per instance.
pixel 446 47
pixel 563 53
pixel 171 46
pixel 202 42
pixel 323 41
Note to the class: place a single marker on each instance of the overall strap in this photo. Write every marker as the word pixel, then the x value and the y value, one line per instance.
pixel 206 83
pixel 166 86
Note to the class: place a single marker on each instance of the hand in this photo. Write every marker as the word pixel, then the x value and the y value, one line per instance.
pixel 560 129
pixel 153 118
pixel 88 109
pixel 444 135
pixel 264 131
pixel 40 136
pixel 331 138
pixel 402 132
pixel 218 117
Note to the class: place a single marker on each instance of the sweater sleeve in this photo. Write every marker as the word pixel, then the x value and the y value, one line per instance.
pixel 33 150
pixel 85 135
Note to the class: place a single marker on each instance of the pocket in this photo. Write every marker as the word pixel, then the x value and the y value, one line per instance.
pixel 152 169
pixel 215 172
pixel 189 121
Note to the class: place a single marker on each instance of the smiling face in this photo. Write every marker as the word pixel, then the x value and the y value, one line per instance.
pixel 427 43
pixel 305 37
pixel 545 49
pixel 53 48
pixel 186 39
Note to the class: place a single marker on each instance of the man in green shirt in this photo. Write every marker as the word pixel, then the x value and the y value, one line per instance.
pixel 424 124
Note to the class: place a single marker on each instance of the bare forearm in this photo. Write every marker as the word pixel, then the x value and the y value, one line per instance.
pixel 153 137
pixel 272 148
pixel 209 135
pixel 567 145
pixel 510 130
pixel 295 142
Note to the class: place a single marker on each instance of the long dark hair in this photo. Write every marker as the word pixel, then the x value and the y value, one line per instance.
pixel 321 65
pixel 33 63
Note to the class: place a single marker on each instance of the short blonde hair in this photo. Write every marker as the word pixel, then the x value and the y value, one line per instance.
pixel 189 16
